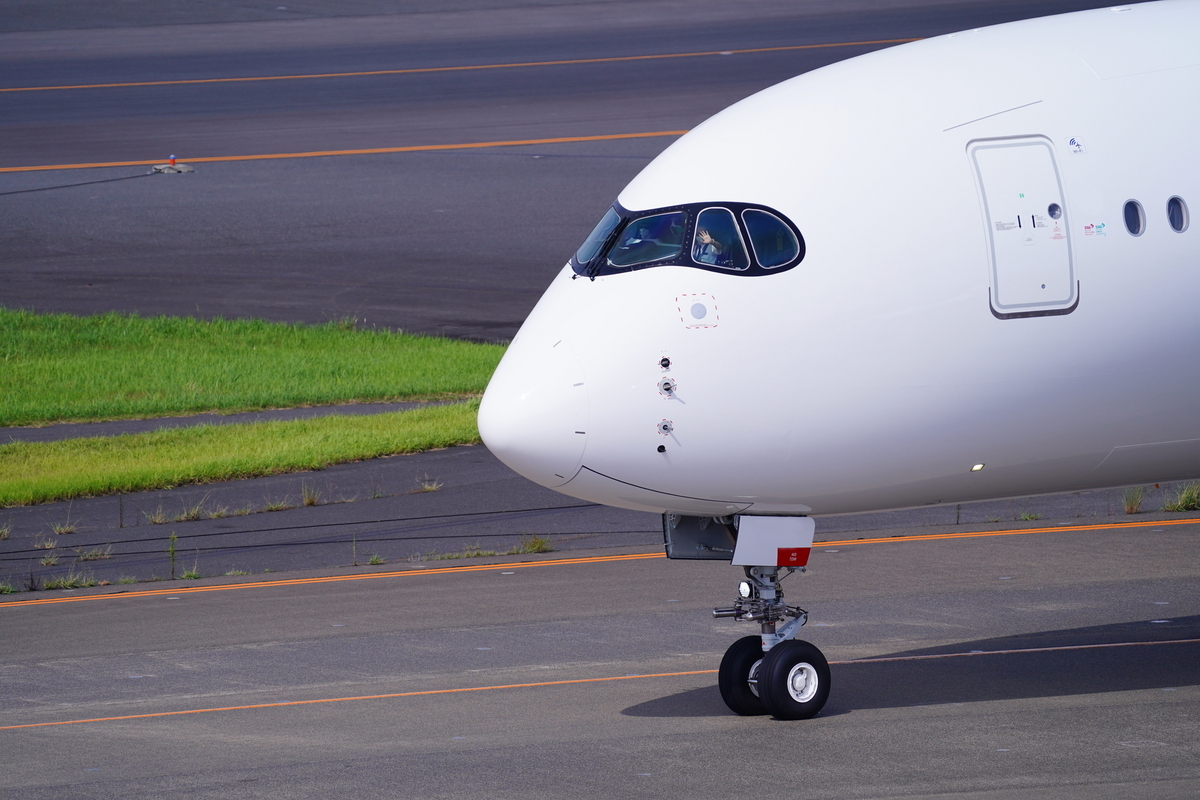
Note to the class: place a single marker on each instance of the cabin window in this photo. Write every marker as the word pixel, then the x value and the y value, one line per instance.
pixel 648 239
pixel 717 240
pixel 1177 214
pixel 1135 218
pixel 773 241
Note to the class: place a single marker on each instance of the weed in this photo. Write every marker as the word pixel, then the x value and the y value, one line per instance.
pixel 48 560
pixel 243 511
pixel 63 528
pixel 5 530
pixel 233 572
pixel 472 551
pixel 993 519
pixel 192 513
pixel 426 484
pixel 220 512
pixel 171 540
pixel 310 494
pixel 193 573
pixel 1133 498
pixel 125 581
pixel 375 560
pixel 157 517
pixel 531 544
pixel 1028 516
pixel 1187 499
pixel 282 504
pixel 7 588
pixel 72 580
pixel 45 544
pixel 95 554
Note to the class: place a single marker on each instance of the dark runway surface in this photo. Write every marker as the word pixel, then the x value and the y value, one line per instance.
pixel 457 242
pixel 1058 661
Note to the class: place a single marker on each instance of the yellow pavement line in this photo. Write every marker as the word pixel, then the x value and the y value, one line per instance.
pixel 463 68
pixel 569 682
pixel 367 152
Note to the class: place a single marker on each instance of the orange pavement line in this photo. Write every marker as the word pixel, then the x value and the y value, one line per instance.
pixel 1017 651
pixel 1015 532
pixel 287 703
pixel 364 697
pixel 410 573
pixel 463 68
pixel 366 152
pixel 567 562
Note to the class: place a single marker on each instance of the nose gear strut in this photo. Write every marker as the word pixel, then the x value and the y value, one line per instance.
pixel 771 673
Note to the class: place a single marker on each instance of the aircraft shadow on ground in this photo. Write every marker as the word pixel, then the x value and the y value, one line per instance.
pixel 1160 658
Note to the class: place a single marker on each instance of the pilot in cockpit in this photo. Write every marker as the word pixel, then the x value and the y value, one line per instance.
pixel 707 249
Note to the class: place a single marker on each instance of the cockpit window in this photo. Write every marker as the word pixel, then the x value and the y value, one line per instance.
pixel 773 241
pixel 718 241
pixel 599 235
pixel 648 239
pixel 710 236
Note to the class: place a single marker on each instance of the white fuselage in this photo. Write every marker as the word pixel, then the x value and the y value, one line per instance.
pixel 916 339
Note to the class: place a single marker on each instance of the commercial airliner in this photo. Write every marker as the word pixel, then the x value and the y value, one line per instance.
pixel 952 270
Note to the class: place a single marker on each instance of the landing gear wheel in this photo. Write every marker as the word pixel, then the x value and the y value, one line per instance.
pixel 793 680
pixel 741 664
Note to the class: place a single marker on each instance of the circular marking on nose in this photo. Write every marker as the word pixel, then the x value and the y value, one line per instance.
pixel 699 311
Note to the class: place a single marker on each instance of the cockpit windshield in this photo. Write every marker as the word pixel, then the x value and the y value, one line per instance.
pixel 647 239
pixel 598 237
pixel 707 236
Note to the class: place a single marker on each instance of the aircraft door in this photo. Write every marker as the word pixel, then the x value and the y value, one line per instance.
pixel 1029 245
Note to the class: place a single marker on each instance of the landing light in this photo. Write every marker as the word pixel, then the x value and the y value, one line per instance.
pixel 976 468
pixel 745 589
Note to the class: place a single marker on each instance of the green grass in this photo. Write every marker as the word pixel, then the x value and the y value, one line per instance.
pixel 1133 497
pixel 1186 499
pixel 49 471
pixel 58 367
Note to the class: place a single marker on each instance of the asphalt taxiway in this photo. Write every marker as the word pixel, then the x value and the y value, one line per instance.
pixel 1056 664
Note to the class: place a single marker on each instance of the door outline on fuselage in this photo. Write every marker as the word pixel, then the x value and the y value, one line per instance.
pixel 1019 221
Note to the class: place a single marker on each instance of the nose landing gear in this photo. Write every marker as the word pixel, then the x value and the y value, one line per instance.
pixel 771 673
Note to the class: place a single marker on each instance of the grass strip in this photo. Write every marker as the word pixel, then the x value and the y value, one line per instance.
pixel 38 472
pixel 59 367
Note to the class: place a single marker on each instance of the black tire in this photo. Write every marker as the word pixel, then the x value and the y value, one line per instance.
pixel 793 680
pixel 742 662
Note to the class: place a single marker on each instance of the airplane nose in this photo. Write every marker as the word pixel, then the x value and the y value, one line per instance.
pixel 534 413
